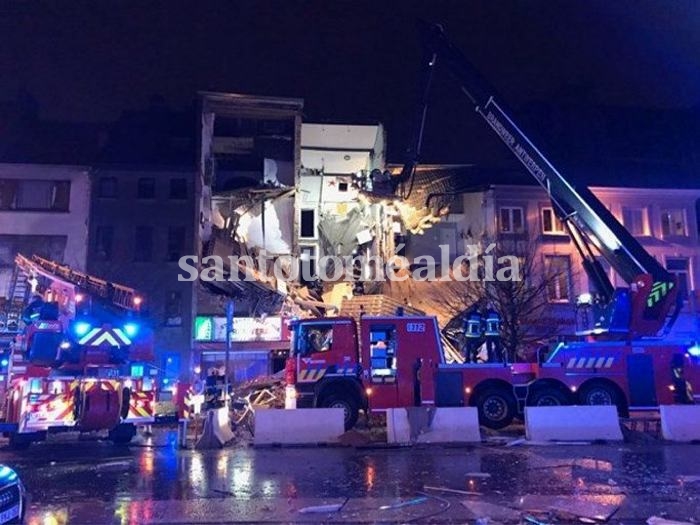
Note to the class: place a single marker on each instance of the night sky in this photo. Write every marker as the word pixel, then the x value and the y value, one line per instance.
pixel 350 61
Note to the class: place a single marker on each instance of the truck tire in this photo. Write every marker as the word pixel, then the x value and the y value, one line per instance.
pixel 602 394
pixel 548 397
pixel 497 408
pixel 350 408
pixel 122 433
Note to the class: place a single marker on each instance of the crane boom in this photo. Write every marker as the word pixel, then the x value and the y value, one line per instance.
pixel 643 309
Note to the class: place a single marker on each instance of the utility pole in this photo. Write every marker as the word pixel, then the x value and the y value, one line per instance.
pixel 229 332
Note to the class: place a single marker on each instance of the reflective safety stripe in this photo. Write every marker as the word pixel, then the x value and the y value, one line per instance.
pixel 92 333
pixel 590 362
pixel 121 335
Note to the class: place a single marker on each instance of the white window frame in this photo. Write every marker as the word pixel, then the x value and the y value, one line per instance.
pixel 569 283
pixel 555 221
pixel 646 226
pixel 685 222
pixel 510 219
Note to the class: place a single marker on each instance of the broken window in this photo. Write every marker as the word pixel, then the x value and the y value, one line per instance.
pixel 143 244
pixel 308 224
pixel 308 263
pixel 146 188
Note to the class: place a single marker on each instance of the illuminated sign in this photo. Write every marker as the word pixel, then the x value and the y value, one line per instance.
pixel 245 329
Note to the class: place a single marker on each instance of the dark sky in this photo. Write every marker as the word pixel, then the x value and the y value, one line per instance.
pixel 352 61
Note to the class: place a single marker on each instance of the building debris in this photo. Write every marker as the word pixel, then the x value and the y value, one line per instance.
pixel 656 520
pixel 322 509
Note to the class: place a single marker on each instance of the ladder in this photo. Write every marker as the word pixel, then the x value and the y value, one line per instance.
pixel 116 294
pixel 16 300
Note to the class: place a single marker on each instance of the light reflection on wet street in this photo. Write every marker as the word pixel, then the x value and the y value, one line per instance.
pixel 95 482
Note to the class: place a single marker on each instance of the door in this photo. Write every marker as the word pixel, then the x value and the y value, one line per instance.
pixel 383 370
pixel 640 377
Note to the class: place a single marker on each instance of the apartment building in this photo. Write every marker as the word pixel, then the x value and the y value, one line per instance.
pixel 44 210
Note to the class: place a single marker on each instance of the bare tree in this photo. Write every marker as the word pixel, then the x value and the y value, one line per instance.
pixel 521 300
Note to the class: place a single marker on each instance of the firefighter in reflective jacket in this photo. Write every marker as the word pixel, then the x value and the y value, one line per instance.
pixel 472 334
pixel 492 331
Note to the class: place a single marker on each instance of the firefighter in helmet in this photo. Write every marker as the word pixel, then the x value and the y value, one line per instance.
pixel 472 334
pixel 492 331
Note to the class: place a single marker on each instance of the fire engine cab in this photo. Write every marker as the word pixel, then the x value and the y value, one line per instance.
pixel 75 355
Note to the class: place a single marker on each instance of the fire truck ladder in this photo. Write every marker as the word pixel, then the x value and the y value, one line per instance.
pixel 117 294
pixel 16 299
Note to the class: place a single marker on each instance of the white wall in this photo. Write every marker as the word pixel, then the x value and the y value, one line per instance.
pixel 73 224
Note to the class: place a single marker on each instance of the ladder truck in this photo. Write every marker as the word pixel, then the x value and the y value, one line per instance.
pixel 75 355
pixel 625 359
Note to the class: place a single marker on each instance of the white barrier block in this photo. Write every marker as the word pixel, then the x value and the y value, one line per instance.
pixel 398 431
pixel 572 423
pixel 453 425
pixel 680 422
pixel 448 425
pixel 301 426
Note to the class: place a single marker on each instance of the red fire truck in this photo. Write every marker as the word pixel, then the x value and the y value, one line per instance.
pixel 624 358
pixel 75 355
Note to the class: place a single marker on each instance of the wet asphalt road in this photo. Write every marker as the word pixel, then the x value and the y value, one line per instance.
pixel 96 482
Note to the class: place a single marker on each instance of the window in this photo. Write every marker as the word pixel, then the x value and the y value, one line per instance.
pixel 143 244
pixel 34 195
pixel 176 243
pixel 636 220
pixel 107 187
pixel 551 225
pixel 146 188
pixel 178 188
pixel 673 223
pixel 342 186
pixel 173 308
pixel 557 273
pixel 308 224
pixel 679 266
pixel 308 263
pixel 315 338
pixel 382 353
pixel 104 237
pixel 511 220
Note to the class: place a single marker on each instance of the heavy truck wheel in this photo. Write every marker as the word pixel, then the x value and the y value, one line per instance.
pixel 350 408
pixel 548 397
pixel 122 433
pixel 497 407
pixel 602 394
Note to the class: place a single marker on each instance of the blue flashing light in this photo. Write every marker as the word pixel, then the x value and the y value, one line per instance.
pixel 131 329
pixel 4 362
pixel 166 381
pixel 694 350
pixel 81 328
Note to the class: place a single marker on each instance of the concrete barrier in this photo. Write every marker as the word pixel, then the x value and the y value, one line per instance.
pixel 217 429
pixel 433 425
pixel 680 422
pixel 301 426
pixel 572 423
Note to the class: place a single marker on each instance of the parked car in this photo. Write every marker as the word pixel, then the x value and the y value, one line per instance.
pixel 13 496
